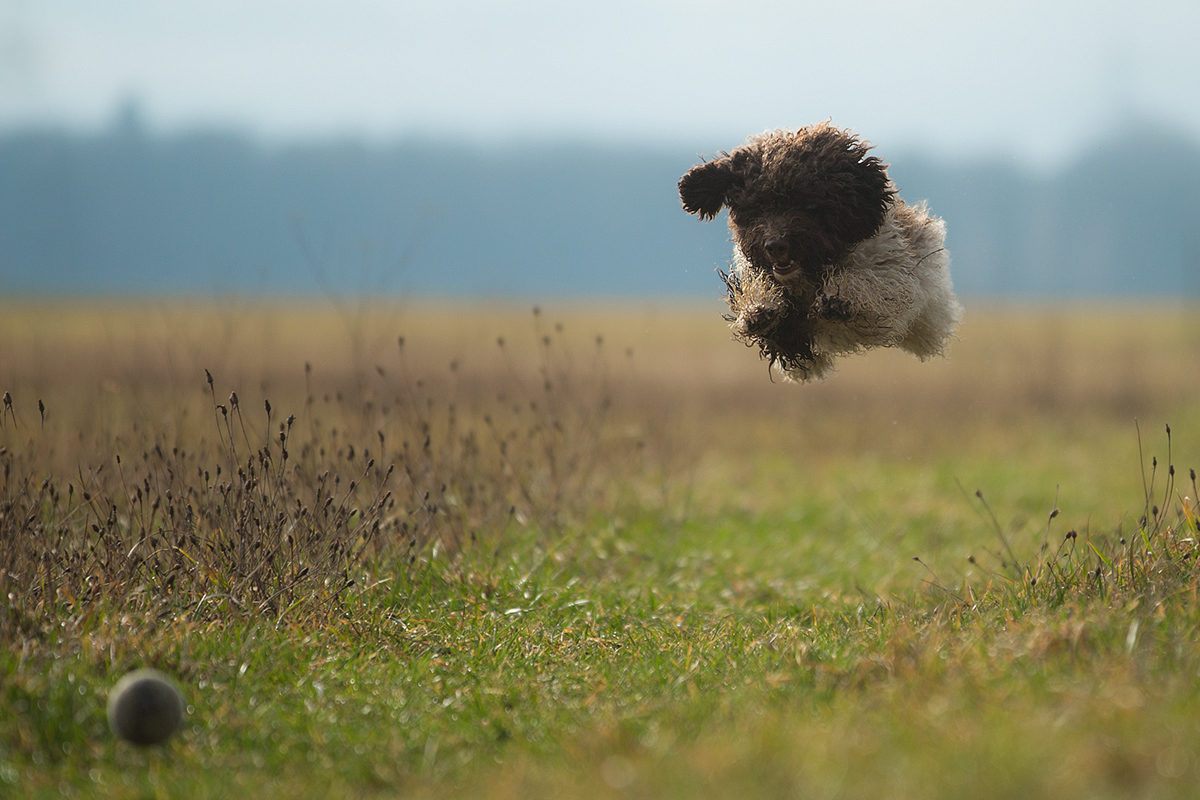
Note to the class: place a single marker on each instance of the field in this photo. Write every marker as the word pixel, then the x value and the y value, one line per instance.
pixel 594 551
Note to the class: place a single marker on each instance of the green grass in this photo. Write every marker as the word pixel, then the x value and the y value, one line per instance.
pixel 694 676
pixel 591 574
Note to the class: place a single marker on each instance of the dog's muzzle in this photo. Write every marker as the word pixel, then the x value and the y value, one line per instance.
pixel 778 252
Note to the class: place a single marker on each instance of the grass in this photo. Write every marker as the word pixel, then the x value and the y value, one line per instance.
pixel 604 557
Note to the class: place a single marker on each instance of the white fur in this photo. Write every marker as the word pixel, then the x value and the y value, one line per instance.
pixel 897 284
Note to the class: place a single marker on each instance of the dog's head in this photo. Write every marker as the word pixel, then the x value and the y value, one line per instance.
pixel 798 200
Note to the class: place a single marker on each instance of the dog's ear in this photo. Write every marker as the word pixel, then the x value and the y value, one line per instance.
pixel 705 187
pixel 863 195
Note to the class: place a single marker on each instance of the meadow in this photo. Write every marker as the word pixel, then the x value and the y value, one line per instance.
pixel 423 550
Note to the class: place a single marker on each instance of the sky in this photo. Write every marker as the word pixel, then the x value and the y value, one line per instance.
pixel 1031 81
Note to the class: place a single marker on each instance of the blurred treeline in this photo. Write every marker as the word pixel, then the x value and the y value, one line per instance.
pixel 126 212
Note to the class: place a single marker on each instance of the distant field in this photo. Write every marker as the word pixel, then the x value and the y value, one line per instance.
pixel 593 550
pixel 1049 394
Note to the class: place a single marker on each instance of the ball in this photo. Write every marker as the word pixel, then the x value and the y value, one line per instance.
pixel 145 707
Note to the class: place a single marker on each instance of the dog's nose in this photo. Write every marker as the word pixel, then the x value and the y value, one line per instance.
pixel 777 248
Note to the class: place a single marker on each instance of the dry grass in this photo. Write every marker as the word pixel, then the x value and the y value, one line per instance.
pixel 490 414
pixel 141 483
pixel 605 490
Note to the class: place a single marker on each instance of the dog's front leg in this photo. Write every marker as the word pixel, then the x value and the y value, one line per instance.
pixel 868 307
pixel 833 307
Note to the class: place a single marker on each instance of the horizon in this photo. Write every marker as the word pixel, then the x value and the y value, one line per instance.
pixel 1022 82
pixel 129 212
pixel 130 119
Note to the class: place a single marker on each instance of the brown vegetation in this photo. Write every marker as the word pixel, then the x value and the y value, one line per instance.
pixel 247 459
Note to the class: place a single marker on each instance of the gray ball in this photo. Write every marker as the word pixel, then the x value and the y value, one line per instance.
pixel 145 707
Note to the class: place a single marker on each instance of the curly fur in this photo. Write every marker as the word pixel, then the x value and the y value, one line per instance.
pixel 827 260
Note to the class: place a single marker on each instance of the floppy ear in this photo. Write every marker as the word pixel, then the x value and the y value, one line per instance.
pixel 705 187
pixel 860 193
pixel 867 195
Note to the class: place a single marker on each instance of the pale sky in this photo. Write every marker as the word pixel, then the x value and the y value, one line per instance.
pixel 1029 80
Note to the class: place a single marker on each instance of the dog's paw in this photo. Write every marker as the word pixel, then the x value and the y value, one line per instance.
pixel 756 321
pixel 833 307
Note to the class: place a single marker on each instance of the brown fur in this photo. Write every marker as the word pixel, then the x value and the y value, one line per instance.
pixel 813 194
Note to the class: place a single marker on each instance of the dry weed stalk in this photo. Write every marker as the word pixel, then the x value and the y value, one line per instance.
pixel 1159 558
pixel 281 518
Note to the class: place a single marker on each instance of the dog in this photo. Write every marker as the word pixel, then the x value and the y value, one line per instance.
pixel 827 259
